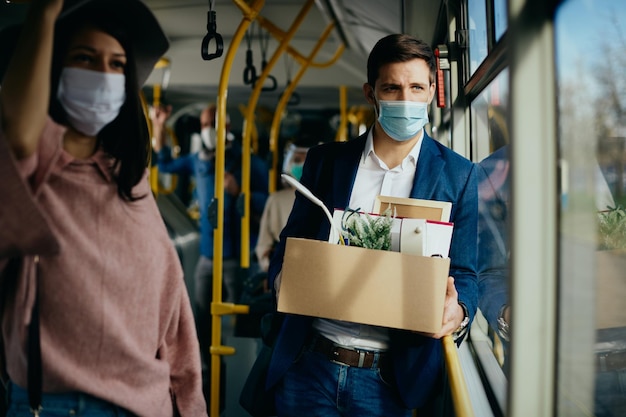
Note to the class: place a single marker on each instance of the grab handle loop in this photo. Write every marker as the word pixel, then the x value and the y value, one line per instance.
pixel 212 34
pixel 270 77
pixel 249 72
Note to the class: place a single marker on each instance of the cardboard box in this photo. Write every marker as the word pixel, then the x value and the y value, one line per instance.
pixel 367 286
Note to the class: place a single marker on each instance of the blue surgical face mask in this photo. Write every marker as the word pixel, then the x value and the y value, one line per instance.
pixel 402 120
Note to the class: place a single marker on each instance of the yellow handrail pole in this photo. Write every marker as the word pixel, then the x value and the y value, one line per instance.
pixel 217 307
pixel 162 63
pixel 279 34
pixel 156 95
pixel 342 135
pixel 255 132
pixel 153 177
pixel 250 109
pixel 285 98
pixel 460 395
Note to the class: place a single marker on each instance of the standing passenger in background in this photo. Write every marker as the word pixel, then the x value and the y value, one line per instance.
pixel 279 203
pixel 348 369
pixel 94 281
pixel 201 165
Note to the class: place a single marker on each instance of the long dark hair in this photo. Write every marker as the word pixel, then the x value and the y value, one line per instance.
pixel 125 139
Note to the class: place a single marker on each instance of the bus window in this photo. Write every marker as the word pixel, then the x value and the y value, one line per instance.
pixel 488 110
pixel 589 43
pixel 477 11
pixel 490 140
pixel 500 12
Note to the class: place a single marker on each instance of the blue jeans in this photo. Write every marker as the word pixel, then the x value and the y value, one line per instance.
pixel 62 405
pixel 316 387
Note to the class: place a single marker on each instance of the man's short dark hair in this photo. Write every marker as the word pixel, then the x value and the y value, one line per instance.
pixel 398 48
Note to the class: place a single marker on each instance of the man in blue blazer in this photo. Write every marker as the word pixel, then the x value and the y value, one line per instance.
pixel 332 368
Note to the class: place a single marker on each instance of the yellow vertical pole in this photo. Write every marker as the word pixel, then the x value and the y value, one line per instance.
pixel 249 120
pixel 217 307
pixel 153 173
pixel 284 99
pixel 305 64
pixel 342 134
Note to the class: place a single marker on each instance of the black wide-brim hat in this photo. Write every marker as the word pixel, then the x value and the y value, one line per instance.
pixel 144 31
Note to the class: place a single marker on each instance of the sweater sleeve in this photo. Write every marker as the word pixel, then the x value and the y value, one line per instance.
pixel 23 227
pixel 182 352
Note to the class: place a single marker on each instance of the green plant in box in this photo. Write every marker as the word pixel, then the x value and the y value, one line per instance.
pixel 366 231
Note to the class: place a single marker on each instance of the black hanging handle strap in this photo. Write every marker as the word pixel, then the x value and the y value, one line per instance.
pixel 249 72
pixel 211 27
pixel 263 42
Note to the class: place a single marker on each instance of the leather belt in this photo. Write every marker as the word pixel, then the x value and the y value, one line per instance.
pixel 348 356
pixel 611 361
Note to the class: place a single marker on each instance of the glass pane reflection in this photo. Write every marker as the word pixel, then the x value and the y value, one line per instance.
pixel 477 10
pixel 592 137
pixel 489 120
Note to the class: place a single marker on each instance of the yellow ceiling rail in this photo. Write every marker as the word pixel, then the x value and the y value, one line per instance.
pixel 158 89
pixel 217 307
pixel 247 131
pixel 285 98
pixel 162 63
pixel 279 34
pixel 458 388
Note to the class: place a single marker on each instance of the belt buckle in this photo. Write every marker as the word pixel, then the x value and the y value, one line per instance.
pixel 335 355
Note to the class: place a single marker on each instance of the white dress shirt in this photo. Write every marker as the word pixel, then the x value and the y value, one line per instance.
pixel 373 178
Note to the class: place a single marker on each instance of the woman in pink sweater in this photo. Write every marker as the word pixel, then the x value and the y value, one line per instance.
pixel 96 320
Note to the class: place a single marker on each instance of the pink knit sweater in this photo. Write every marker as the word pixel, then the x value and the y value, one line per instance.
pixel 116 320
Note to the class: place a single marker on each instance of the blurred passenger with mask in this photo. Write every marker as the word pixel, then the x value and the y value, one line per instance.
pixel 279 203
pixel 200 164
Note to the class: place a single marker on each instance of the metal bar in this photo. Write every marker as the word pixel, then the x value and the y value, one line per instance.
pixel 287 94
pixel 458 388
pixel 218 233
pixel 249 122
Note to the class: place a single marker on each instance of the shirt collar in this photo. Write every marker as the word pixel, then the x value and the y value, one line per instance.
pixel 411 158
pixel 100 159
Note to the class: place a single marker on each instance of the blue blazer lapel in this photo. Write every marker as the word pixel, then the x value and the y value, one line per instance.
pixel 345 167
pixel 430 164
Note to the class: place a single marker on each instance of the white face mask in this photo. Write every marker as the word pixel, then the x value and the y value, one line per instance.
pixel 209 138
pixel 91 99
